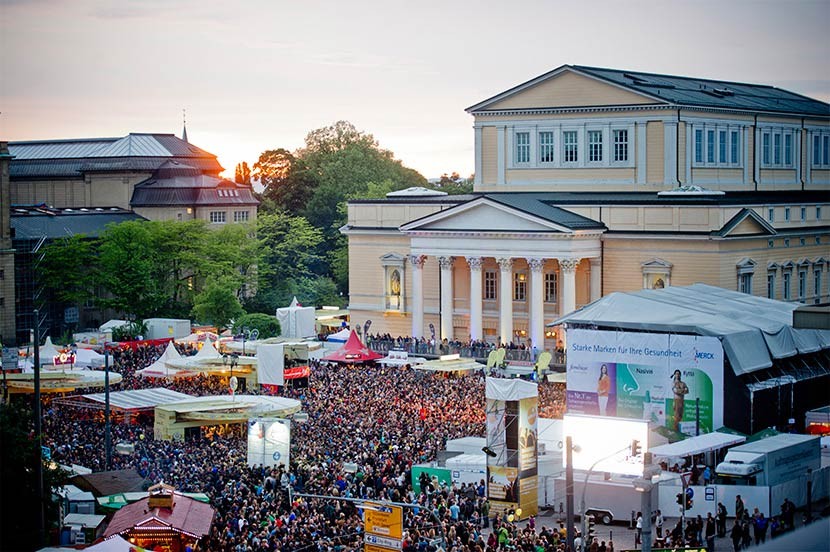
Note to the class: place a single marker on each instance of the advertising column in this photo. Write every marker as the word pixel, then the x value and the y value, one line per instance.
pixel 512 412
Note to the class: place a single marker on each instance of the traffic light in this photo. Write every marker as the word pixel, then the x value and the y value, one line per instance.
pixel 689 502
pixel 636 449
pixel 679 498
pixel 592 532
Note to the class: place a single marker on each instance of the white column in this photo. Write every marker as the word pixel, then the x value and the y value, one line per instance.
pixel 500 160
pixel 641 153
pixel 417 262
pixel 537 303
pixel 476 324
pixel 568 271
pixel 596 279
pixel 505 299
pixel 446 296
pixel 670 152
pixel 478 146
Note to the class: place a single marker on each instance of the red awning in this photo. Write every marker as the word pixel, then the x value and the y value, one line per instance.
pixel 354 351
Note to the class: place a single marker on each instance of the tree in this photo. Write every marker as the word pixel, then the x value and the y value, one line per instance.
pixel 267 325
pixel 218 303
pixel 285 179
pixel 19 454
pixel 67 269
pixel 242 173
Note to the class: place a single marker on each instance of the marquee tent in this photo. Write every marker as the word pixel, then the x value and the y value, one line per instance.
pixel 88 358
pixel 160 368
pixel 353 351
pixel 297 321
pixel 206 355
pixel 697 445
pixel 48 352
pixel 342 336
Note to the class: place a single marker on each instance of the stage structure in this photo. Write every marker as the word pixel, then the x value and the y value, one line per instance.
pixel 269 441
pixel 512 471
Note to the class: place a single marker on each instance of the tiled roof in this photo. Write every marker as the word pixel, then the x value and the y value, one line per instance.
pixel 187 515
pixel 32 223
pixel 190 190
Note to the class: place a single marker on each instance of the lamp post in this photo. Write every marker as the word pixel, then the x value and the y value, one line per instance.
pixel 107 427
pixel 41 527
pixel 231 360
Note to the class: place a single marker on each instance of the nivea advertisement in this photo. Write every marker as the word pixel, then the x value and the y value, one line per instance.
pixel 666 379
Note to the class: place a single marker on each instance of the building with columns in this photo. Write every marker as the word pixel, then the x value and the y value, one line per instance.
pixel 590 181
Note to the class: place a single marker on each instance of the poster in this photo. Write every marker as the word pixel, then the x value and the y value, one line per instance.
pixel 660 378
pixel 269 441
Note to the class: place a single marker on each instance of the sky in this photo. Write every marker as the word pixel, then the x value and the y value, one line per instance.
pixel 255 75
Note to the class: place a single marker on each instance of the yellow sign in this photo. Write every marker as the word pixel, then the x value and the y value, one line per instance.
pixel 383 520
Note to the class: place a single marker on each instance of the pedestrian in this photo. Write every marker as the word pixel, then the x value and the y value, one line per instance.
pixel 760 528
pixel 638 537
pixel 710 533
pixel 721 518
pixel 737 535
pixel 747 536
pixel 740 508
pixel 658 524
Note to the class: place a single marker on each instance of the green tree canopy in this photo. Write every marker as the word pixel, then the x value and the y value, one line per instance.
pixel 68 268
pixel 218 303
pixel 267 325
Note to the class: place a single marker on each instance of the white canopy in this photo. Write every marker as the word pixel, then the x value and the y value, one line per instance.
pixel 297 321
pixel 698 445
pixel 160 368
pixel 401 358
pixel 206 355
pixel 112 324
pixel 450 365
pixel 48 352
pixel 754 330
pixel 342 336
pixel 88 358
pixel 139 399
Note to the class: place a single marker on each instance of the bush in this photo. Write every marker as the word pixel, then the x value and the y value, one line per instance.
pixel 267 325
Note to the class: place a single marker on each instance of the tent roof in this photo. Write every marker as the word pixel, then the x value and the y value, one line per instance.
pixel 452 365
pixel 187 515
pixel 139 399
pixel 353 351
pixel 754 330
pixel 342 335
pixel 697 445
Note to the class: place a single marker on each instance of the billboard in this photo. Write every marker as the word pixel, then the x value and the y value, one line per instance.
pixel 512 415
pixel 604 444
pixel 661 378
pixel 269 441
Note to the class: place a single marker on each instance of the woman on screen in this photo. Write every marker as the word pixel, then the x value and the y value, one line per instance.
pixel 680 390
pixel 603 388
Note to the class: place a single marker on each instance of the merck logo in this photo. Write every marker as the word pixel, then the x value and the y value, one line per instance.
pixel 704 355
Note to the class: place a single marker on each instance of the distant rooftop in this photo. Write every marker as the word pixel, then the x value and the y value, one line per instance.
pixel 32 222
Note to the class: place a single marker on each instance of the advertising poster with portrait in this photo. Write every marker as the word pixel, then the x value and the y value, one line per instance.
pixel 512 415
pixel 661 378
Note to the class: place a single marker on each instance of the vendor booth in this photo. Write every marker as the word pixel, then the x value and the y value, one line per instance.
pixel 353 352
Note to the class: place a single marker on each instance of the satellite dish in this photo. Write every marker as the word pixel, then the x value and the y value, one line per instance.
pixel 234 383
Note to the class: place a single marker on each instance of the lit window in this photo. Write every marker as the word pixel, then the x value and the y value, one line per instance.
pixel 519 286
pixel 569 140
pixel 218 217
pixel 620 145
pixel 522 147
pixel 550 287
pixel 594 145
pixel 546 147
pixel 490 284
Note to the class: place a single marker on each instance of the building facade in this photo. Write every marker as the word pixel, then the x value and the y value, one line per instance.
pixel 590 181
pixel 7 310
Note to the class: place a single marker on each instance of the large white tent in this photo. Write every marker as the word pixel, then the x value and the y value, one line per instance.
pixel 297 321
pixel 160 368
pixel 87 358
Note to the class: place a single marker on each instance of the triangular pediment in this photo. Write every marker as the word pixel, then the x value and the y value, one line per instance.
pixel 656 263
pixel 746 223
pixel 563 87
pixel 483 215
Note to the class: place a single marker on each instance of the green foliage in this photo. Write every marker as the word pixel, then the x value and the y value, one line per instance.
pixel 218 303
pixel 67 268
pixel 19 454
pixel 267 325
pixel 130 331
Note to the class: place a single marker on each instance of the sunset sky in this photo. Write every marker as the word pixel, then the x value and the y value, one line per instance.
pixel 257 75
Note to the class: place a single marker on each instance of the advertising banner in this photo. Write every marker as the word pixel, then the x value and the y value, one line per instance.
pixel 269 441
pixel 512 414
pixel 271 364
pixel 661 378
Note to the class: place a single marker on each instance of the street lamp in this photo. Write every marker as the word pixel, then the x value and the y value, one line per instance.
pixel 231 360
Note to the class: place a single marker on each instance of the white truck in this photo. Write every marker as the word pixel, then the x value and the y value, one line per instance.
pixel 607 500
pixel 772 460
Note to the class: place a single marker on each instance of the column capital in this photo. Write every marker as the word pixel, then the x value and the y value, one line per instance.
pixel 417 261
pixel 569 264
pixel 475 262
pixel 505 264
pixel 536 264
pixel 445 262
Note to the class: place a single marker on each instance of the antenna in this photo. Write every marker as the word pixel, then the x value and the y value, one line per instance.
pixel 184 124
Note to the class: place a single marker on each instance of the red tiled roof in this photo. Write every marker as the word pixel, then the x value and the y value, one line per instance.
pixel 187 516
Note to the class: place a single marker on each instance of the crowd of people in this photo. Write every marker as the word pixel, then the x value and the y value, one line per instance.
pixel 377 421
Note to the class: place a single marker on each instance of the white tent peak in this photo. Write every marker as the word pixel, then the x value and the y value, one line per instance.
pixel 295 303
pixel 208 350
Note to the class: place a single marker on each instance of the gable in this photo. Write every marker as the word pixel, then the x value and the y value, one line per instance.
pixel 746 223
pixel 748 226
pixel 569 89
pixel 484 217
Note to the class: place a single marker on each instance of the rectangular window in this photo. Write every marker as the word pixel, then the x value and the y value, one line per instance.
pixel 522 147
pixel 776 148
pixel 550 287
pixel 2 274
pixel 803 213
pixel 818 212
pixel 771 214
pixel 519 286
pixel 817 285
pixel 787 214
pixel 218 217
pixel 788 149
pixel 595 146
pixel 240 216
pixel 771 244
pixel 546 147
pixel 570 141
pixel 710 146
pixel 825 148
pixel 722 146
pixel 787 278
pixel 786 242
pixel 802 241
pixel 802 284
pixel 735 145
pixel 770 285
pixel 620 145
pixel 490 284
pixel 765 148
pixel 698 145
pixel 745 283
pixel 816 150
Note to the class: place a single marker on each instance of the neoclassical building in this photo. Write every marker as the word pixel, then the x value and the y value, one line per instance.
pixel 590 181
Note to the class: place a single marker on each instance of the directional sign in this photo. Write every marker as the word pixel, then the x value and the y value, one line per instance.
pixel 385 542
pixel 383 520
